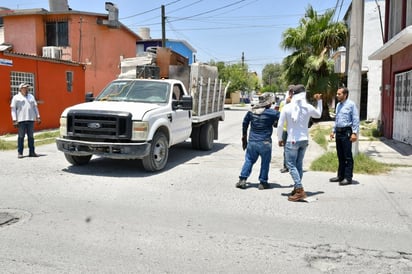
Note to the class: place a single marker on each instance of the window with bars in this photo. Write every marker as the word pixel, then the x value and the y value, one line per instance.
pixel 57 34
pixel 16 78
pixel 69 81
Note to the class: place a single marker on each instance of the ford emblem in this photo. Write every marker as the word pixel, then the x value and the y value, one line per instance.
pixel 94 125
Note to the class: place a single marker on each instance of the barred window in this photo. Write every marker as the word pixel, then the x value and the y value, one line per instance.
pixel 16 78
pixel 69 81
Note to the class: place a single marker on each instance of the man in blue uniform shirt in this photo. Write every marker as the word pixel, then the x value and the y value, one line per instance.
pixel 345 132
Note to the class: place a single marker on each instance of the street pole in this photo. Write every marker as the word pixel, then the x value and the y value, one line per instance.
pixel 163 27
pixel 355 57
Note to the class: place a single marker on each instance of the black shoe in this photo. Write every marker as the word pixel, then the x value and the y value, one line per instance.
pixel 284 170
pixel 263 186
pixel 33 155
pixel 335 179
pixel 345 182
pixel 241 184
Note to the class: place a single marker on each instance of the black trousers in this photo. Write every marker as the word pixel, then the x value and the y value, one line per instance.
pixel 344 151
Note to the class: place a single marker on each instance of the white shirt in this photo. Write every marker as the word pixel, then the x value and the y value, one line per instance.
pixel 298 130
pixel 24 108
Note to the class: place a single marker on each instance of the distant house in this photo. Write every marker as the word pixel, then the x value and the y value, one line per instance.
pixel 370 106
pixel 56 84
pixel 179 46
pixel 396 82
pixel 97 40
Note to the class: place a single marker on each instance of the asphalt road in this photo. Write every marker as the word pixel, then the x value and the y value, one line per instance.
pixel 112 217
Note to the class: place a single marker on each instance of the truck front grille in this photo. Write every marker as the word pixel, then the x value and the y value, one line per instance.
pixel 99 125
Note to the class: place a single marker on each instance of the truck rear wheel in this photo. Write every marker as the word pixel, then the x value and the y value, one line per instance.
pixel 159 152
pixel 206 137
pixel 77 160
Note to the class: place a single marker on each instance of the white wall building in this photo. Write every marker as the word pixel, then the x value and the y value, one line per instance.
pixel 373 40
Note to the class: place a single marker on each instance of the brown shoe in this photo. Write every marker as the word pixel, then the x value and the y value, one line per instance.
pixel 298 195
pixel 293 192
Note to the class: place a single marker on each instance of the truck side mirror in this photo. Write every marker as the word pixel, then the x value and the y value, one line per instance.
pixel 89 97
pixel 185 103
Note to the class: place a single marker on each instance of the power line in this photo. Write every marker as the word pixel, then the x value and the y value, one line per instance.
pixel 148 11
pixel 187 6
pixel 210 11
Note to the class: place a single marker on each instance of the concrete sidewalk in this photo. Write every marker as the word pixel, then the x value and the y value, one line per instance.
pixel 383 150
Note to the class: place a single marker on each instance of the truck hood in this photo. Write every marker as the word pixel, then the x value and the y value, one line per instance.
pixel 136 109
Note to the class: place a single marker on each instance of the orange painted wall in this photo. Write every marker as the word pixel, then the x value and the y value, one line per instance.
pixel 101 48
pixel 50 86
pixel 25 33
pixel 96 45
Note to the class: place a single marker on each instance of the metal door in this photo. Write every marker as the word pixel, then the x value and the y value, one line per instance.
pixel 402 118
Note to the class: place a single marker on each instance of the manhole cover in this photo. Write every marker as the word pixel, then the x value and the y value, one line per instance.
pixel 12 216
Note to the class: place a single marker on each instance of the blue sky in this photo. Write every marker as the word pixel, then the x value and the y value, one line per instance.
pixel 219 30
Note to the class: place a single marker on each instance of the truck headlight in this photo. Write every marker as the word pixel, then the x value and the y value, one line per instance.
pixel 63 126
pixel 140 131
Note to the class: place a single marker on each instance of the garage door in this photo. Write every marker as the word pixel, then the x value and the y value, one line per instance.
pixel 402 119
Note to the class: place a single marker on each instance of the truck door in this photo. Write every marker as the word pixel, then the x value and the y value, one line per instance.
pixel 181 122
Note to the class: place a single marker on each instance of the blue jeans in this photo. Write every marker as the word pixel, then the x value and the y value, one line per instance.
pixel 253 151
pixel 295 151
pixel 25 127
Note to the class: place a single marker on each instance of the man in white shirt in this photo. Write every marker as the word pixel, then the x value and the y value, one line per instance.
pixel 24 112
pixel 297 115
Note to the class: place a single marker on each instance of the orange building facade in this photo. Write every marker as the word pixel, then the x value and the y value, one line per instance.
pixel 63 54
pixel 82 37
pixel 56 84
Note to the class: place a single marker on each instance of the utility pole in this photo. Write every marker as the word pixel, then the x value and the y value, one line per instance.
pixel 355 57
pixel 80 40
pixel 163 27
pixel 243 59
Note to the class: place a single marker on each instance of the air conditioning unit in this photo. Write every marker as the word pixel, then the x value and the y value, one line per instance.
pixel 52 52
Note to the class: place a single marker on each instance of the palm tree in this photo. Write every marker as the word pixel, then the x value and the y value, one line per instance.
pixel 312 44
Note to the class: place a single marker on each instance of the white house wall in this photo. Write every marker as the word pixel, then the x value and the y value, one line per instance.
pixel 372 40
pixel 1 35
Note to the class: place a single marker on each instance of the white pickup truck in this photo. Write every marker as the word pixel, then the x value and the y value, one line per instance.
pixel 142 119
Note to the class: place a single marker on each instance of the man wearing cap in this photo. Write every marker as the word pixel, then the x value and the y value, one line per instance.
pixel 24 112
pixel 297 115
pixel 261 120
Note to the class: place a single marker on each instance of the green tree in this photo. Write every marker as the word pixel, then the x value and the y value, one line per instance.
pixel 312 44
pixel 238 75
pixel 272 78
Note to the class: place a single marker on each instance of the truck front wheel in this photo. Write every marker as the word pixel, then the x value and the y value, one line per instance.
pixel 77 160
pixel 195 136
pixel 159 152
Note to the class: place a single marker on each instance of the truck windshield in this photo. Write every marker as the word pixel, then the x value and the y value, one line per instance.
pixel 136 91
